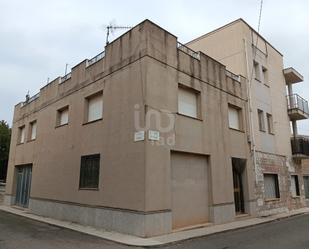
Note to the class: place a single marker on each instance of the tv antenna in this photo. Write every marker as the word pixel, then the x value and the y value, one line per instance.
pixel 111 28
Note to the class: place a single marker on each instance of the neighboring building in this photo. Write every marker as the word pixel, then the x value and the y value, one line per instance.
pixel 279 180
pixel 150 137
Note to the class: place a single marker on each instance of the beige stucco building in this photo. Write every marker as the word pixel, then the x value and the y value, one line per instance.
pixel 274 111
pixel 150 136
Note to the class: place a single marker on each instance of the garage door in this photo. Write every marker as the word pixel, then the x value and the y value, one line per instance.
pixel 189 189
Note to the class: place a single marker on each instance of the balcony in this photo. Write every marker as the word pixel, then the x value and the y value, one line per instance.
pixel 297 107
pixel 300 147
pixel 292 76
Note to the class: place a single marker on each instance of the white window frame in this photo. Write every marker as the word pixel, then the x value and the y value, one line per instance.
pixel 234 117
pixel 257 71
pixel 270 123
pixel 188 102
pixel 94 107
pixel 295 186
pixel 63 116
pixel 21 134
pixel 33 130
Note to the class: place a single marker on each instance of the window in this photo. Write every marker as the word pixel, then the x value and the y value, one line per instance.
pixel 306 185
pixel 265 75
pixel 94 107
pixel 271 186
pixel 21 134
pixel 89 172
pixel 270 123
pixel 295 186
pixel 257 71
pixel 187 102
pixel 32 130
pixel 63 116
pixel 261 120
pixel 234 117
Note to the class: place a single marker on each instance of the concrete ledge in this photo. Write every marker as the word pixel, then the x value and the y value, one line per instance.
pixel 158 240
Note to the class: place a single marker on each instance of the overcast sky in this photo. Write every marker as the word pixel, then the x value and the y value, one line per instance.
pixel 37 38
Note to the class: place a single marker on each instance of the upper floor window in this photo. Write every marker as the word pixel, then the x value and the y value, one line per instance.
pixel 89 172
pixel 265 75
pixel 270 123
pixel 187 102
pixel 234 114
pixel 21 134
pixel 63 116
pixel 94 107
pixel 257 74
pixel 32 130
pixel 261 120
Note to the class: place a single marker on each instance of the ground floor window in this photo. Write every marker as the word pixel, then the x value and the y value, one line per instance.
pixel 295 186
pixel 306 185
pixel 89 172
pixel 271 186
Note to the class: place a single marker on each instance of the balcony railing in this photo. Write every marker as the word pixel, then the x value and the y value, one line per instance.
pixel 188 51
pixel 297 107
pixel 300 146
pixel 65 77
pixel 95 59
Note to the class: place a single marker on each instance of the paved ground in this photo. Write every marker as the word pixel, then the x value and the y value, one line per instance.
pixel 21 233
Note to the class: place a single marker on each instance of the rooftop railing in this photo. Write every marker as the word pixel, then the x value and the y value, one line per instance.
pixel 297 102
pixel 29 100
pixel 188 51
pixel 65 77
pixel 232 75
pixel 95 59
pixel 300 145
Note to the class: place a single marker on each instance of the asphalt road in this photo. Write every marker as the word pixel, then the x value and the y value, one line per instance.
pixel 21 233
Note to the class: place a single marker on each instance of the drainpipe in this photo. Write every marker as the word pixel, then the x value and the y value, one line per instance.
pixel 251 122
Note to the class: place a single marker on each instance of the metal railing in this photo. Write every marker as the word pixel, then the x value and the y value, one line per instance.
pixel 297 102
pixel 188 51
pixel 233 76
pixel 34 97
pixel 300 145
pixel 95 59
pixel 66 77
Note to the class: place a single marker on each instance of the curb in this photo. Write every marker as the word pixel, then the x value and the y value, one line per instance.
pixel 158 241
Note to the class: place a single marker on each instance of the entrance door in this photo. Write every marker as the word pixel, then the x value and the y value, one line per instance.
pixel 238 169
pixel 189 189
pixel 24 174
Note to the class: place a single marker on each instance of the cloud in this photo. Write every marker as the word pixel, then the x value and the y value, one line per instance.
pixel 39 37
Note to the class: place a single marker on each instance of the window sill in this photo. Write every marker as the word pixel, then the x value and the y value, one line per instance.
pixel 184 115
pixel 90 189
pixel 58 126
pixel 31 140
pixel 262 130
pixel 271 133
pixel 234 129
pixel 258 80
pixel 92 121
pixel 296 197
pixel 266 85
pixel 272 199
pixel 20 143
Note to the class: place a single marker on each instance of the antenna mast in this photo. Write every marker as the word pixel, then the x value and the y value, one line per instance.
pixel 110 28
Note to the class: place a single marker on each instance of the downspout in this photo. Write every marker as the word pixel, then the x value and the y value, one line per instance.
pixel 251 122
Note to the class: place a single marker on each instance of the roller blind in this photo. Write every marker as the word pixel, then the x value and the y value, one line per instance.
pixel 22 134
pixel 234 118
pixel 187 102
pixel 64 117
pixel 271 187
pixel 33 130
pixel 95 107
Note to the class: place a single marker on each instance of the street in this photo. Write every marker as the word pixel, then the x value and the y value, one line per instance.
pixel 21 233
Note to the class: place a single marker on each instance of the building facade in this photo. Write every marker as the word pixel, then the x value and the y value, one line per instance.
pixel 150 137
pixel 274 109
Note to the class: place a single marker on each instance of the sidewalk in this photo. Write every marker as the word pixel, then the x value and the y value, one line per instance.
pixel 158 240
